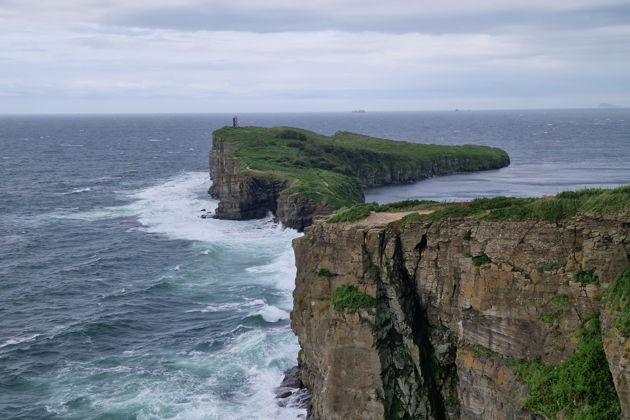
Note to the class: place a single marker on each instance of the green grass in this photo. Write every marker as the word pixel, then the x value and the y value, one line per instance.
pixel 552 317
pixel 407 205
pixel 346 296
pixel 560 300
pixel 618 296
pixel 413 217
pixel 586 277
pixel 361 211
pixel 581 387
pixel 352 214
pixel 327 169
pixel 563 206
pixel 480 260
pixel 549 267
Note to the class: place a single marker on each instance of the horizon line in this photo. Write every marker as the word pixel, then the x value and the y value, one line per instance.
pixel 364 111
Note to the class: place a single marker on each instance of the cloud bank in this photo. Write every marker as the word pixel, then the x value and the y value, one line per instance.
pixel 281 55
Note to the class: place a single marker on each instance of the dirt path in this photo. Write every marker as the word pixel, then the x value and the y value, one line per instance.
pixel 383 218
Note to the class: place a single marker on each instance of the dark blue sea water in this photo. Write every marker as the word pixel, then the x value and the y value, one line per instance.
pixel 117 301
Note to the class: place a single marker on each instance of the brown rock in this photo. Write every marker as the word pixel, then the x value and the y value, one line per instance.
pixel 439 342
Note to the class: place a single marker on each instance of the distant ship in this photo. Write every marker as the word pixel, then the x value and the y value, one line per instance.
pixel 358 111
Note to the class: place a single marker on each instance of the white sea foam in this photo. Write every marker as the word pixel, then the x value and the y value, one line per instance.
pixel 19 340
pixel 242 305
pixel 173 209
pixel 272 313
pixel 80 190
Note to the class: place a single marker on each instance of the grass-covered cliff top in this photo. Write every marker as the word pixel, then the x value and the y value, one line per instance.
pixel 326 169
pixel 552 209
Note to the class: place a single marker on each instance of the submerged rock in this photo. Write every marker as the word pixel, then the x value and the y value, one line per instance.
pixel 291 392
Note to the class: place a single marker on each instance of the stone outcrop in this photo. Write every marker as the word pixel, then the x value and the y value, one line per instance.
pixel 441 341
pixel 242 196
pixel 244 193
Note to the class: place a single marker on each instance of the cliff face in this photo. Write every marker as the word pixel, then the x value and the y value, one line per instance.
pixel 458 302
pixel 445 166
pixel 241 196
pixel 244 193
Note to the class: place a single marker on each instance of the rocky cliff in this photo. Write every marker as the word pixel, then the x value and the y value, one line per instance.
pixel 256 171
pixel 462 318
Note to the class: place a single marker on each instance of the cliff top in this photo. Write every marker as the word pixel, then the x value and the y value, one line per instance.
pixel 562 206
pixel 331 169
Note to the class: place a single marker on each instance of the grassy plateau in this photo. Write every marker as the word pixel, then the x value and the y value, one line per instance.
pixel 565 205
pixel 329 169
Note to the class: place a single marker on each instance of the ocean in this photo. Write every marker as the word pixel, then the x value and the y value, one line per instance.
pixel 118 301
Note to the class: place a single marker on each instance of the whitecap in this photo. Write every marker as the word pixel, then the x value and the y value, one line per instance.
pixel 246 304
pixel 272 313
pixel 18 340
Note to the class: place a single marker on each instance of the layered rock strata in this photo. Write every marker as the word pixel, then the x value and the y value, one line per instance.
pixel 457 302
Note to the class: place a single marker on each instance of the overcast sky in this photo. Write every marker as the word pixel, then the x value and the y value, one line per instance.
pixel 311 55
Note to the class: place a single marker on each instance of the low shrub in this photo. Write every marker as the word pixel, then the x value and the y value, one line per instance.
pixel 586 277
pixel 352 214
pixel 580 388
pixel 349 297
pixel 551 318
pixel 480 260
pixel 618 295
pixel 560 300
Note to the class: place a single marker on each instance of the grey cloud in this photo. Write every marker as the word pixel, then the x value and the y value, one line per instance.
pixel 223 18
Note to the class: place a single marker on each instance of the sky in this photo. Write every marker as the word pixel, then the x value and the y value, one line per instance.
pixel 121 56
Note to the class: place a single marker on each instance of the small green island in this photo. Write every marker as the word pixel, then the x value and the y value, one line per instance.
pixel 297 174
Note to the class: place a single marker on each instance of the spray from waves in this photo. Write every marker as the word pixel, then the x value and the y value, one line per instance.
pixel 256 357
pixel 174 207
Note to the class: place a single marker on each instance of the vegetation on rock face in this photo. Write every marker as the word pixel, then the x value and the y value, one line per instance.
pixel 349 297
pixel 552 317
pixel 586 277
pixel 560 300
pixel 327 169
pixel 323 272
pixel 481 260
pixel 618 295
pixel 581 387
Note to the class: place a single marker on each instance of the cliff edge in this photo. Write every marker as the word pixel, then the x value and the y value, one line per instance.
pixel 298 174
pixel 430 316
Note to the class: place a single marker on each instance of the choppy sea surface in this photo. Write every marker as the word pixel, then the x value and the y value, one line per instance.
pixel 117 301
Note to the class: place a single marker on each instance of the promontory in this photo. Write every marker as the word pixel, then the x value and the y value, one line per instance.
pixel 297 174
